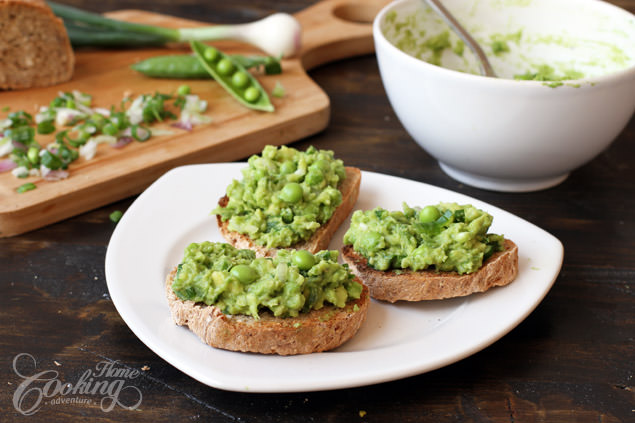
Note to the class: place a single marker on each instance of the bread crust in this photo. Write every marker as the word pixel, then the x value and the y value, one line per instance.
pixel 316 331
pixel 499 270
pixel 320 239
pixel 35 50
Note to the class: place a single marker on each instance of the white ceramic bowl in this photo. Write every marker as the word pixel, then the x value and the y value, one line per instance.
pixel 501 133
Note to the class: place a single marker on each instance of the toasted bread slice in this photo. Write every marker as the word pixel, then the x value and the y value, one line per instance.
pixel 320 239
pixel 316 331
pixel 500 269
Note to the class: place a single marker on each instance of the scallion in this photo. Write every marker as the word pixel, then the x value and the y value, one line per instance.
pixel 25 187
pixel 87 28
pixel 140 133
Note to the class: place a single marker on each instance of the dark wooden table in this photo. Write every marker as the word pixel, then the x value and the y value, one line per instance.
pixel 570 360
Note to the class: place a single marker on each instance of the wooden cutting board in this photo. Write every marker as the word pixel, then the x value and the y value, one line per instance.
pixel 331 30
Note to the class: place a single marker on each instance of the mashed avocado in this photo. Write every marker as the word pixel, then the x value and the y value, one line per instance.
pixel 285 195
pixel 446 237
pixel 239 283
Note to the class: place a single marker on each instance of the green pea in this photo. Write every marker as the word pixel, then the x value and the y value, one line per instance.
pixel 33 154
pixel 244 273
pixel 291 192
pixel 288 167
pixel 240 79
pixel 314 177
pixel 429 214
pixel 252 94
pixel 183 90
pixel 225 66
pixel 321 165
pixel 303 259
pixel 211 54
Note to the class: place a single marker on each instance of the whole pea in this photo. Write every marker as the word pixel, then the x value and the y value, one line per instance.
pixel 225 66
pixel 314 177
pixel 240 79
pixel 321 165
pixel 303 259
pixel 252 94
pixel 183 90
pixel 211 54
pixel 287 167
pixel 291 192
pixel 244 273
pixel 33 154
pixel 429 214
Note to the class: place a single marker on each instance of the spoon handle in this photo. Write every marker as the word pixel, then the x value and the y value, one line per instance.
pixel 438 7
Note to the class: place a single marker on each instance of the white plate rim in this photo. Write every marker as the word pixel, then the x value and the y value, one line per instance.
pixel 541 256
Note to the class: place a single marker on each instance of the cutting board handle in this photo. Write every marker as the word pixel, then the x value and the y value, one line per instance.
pixel 337 29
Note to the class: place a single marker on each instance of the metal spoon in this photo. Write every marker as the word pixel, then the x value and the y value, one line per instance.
pixel 486 68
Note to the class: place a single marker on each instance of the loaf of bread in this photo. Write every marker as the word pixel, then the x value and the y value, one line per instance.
pixel 34 47
pixel 321 238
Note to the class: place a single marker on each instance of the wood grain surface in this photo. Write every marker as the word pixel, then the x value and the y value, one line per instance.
pixel 571 360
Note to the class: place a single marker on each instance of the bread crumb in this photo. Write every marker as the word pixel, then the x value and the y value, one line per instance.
pixel 145 368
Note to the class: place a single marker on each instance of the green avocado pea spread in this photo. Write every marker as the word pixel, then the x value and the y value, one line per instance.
pixel 285 195
pixel 444 237
pixel 237 282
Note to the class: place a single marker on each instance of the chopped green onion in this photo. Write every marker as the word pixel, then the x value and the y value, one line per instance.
pixel 50 160
pixel 20 118
pixel 115 216
pixel 140 133
pixel 278 90
pixel 110 129
pixel 25 187
pixel 46 127
pixel 6 109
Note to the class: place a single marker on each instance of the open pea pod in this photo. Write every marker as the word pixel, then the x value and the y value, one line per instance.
pixel 232 76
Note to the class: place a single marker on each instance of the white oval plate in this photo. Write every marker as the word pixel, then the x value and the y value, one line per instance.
pixel 396 341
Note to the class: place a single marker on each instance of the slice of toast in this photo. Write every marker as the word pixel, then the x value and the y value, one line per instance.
pixel 316 331
pixel 498 270
pixel 320 239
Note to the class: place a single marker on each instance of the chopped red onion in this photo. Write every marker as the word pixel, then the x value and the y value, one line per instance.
pixel 55 175
pixel 18 145
pixel 6 165
pixel 122 142
pixel 182 125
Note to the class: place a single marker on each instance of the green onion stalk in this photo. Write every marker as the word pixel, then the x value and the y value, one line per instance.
pixel 278 34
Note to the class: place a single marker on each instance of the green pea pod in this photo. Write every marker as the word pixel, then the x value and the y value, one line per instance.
pixel 181 66
pixel 186 66
pixel 223 69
